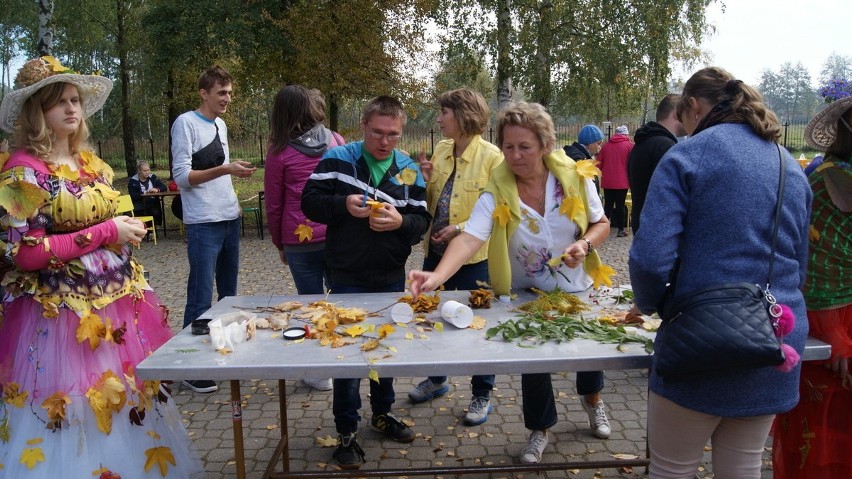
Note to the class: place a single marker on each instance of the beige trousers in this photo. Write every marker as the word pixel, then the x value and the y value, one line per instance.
pixel 677 436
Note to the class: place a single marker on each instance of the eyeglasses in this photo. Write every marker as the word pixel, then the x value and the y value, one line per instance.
pixel 377 135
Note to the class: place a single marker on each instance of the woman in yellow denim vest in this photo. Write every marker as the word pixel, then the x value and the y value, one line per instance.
pixel 460 168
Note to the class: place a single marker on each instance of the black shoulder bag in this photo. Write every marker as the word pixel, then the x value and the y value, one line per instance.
pixel 722 328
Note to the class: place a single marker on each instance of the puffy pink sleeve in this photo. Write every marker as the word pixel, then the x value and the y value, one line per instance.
pixel 67 246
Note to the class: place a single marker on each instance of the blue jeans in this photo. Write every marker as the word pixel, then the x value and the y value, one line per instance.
pixel 308 270
pixel 213 250
pixel 465 278
pixel 537 396
pixel 346 399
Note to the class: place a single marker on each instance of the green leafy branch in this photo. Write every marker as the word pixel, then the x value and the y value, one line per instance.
pixel 530 330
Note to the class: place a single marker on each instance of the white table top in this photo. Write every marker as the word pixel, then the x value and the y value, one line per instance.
pixel 451 352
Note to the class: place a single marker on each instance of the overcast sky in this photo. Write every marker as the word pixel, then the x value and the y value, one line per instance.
pixel 754 35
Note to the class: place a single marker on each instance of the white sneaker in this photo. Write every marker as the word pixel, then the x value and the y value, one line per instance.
pixel 597 418
pixel 535 447
pixel 319 384
pixel 477 412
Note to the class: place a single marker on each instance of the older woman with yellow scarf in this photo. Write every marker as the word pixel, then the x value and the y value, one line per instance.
pixel 544 220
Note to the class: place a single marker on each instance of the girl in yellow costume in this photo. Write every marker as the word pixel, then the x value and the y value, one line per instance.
pixel 78 316
pixel 544 219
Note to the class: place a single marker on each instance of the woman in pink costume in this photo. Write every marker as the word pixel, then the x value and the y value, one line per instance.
pixel 78 315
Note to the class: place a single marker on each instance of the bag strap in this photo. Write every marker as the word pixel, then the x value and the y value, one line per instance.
pixel 782 180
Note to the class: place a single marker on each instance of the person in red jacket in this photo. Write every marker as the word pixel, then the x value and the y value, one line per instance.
pixel 613 165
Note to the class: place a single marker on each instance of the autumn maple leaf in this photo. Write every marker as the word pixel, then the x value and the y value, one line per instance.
pixel 161 457
pixel 385 330
pixel 66 173
pixel 588 169
pixel 304 232
pixel 501 214
pixel 355 331
pixel 571 206
pixel 92 328
pixel 55 406
pixel 22 199
pixel 31 457
pixel 602 275
pixel 11 395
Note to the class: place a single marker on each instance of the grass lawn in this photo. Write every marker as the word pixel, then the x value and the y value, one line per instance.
pixel 246 188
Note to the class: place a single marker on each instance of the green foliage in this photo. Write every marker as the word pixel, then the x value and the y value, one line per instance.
pixel 788 92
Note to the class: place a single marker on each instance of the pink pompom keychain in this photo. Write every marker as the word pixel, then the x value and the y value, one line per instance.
pixel 784 324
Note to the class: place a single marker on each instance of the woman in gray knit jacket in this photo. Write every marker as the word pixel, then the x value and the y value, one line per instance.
pixel 712 201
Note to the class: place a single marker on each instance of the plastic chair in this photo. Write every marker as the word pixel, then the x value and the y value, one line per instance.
pixel 124 204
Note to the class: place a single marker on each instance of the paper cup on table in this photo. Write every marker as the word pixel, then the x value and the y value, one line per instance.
pixel 457 314
pixel 230 329
pixel 402 313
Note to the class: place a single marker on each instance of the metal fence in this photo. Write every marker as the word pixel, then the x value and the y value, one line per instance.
pixel 414 140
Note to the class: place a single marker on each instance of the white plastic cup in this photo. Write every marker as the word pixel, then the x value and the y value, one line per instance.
pixel 402 313
pixel 457 314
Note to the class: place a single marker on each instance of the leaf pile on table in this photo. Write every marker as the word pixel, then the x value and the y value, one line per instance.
pixel 557 316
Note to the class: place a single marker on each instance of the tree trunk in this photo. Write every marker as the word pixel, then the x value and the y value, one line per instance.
pixel 542 90
pixel 172 112
pixel 45 27
pixel 333 112
pixel 504 58
pixel 121 8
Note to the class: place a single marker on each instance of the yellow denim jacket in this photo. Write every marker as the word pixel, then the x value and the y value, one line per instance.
pixel 472 174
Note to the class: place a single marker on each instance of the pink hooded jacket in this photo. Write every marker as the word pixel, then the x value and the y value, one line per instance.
pixel 613 163
pixel 286 173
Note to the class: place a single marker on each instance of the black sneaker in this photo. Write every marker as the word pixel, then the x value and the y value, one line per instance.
pixel 392 428
pixel 203 386
pixel 348 454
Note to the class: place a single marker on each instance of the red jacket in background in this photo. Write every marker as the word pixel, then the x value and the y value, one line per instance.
pixel 613 163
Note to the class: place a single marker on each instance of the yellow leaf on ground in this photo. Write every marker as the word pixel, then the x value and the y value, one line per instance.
pixel 626 457
pixel 327 441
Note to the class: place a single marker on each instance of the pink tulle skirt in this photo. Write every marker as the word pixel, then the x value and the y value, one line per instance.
pixel 43 366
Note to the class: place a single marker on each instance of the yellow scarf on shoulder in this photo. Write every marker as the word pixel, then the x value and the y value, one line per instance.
pixel 507 216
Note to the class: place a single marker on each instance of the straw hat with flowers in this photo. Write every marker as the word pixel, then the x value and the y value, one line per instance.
pixel 822 129
pixel 40 72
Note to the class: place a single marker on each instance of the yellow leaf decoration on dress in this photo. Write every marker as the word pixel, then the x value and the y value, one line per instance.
pixel 602 275
pixel 161 457
pixel 94 166
pixel 92 328
pixel 501 214
pixel 588 169
pixel 31 457
pixel 65 172
pixel 22 199
pixel 11 395
pixel 4 157
pixel 408 176
pixel 55 406
pixel 572 204
pixel 106 397
pixel 304 232
pixel 106 191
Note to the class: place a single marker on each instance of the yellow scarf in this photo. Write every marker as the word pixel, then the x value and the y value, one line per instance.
pixel 507 216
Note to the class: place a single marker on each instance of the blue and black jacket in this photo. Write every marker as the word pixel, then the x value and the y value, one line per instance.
pixel 355 254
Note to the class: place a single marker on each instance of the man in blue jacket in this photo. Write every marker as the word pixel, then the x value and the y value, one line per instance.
pixel 373 199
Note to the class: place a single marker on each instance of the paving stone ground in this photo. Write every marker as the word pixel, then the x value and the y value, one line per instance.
pixel 442 438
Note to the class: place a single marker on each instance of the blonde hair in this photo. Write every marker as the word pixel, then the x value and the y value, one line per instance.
pixel 32 131
pixel 531 116
pixel 469 109
pixel 715 85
